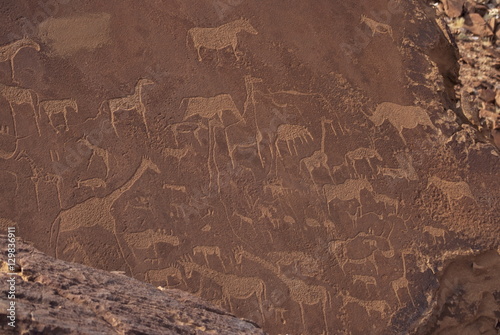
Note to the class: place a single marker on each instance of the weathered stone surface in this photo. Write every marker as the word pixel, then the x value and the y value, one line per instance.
pixel 57 297
pixel 302 165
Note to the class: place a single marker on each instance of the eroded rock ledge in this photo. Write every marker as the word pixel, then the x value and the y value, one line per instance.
pixel 57 297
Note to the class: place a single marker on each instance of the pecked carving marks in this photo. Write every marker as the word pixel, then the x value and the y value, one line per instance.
pixel 220 37
pixel 377 27
pixel 9 51
pixel 55 107
pixel 453 190
pixel 96 211
pixel 128 103
pixel 401 117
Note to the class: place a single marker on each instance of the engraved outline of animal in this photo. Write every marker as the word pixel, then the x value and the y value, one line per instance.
pixel 208 107
pixel 361 153
pixel 291 132
pixel 9 51
pixel 206 250
pixel 53 107
pixel 148 238
pixel 178 153
pixel 297 258
pixel 453 190
pixel 435 233
pixel 199 126
pixel 300 292
pixel 18 96
pixel 232 286
pixel 380 306
pixel 128 103
pixel 97 210
pixel 377 27
pixel 401 117
pixel 96 150
pixel 93 183
pixel 221 37
pixel 387 201
pixel 367 280
pixel 171 271
pixel 318 158
pixel 350 189
pixel 402 282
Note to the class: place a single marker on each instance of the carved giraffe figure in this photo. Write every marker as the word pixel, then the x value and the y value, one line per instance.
pixel 300 292
pixel 54 107
pixel 97 211
pixel 232 285
pixel 96 150
pixel 220 37
pixel 377 27
pixel 9 51
pixel 128 103
pixel 318 159
pixel 402 282
pixel 290 133
pixel 380 306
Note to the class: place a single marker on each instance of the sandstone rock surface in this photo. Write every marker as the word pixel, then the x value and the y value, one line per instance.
pixel 57 297
pixel 302 164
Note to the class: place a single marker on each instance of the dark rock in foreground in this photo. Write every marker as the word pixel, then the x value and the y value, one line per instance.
pixel 57 297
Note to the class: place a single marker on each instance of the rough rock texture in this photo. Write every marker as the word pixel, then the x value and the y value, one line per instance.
pixel 57 297
pixel 300 164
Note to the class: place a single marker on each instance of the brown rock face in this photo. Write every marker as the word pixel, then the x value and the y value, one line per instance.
pixel 56 297
pixel 301 164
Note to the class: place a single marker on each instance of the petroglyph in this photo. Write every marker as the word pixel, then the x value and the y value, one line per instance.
pixel 38 175
pixel 402 282
pixel 453 190
pixel 370 306
pixel 178 188
pixel 359 154
pixel 405 170
pixel 291 133
pixel 435 233
pixel 338 248
pixel 208 108
pixel 209 250
pixel 401 117
pixel 300 292
pixel 367 280
pixel 387 201
pixel 220 37
pixel 178 153
pixel 97 211
pixel 318 159
pixel 232 286
pixel 19 96
pixel 350 189
pixel 9 51
pixel 4 129
pixel 160 275
pixel 303 263
pixel 96 151
pixel 55 107
pixel 128 103
pixel 377 27
pixel 187 127
pixel 141 203
pixel 93 183
pixel 149 238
